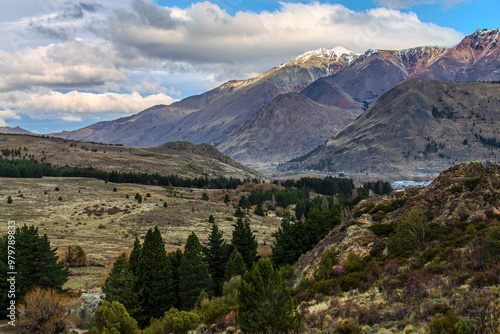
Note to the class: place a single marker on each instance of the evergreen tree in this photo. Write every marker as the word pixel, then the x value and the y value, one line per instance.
pixel 235 266
pixel 264 302
pixel 193 273
pixel 134 256
pixel 244 202
pixel 259 211
pixel 244 241
pixel 36 264
pixel 216 257
pixel 175 259
pixel 226 199
pixel 211 219
pixel 239 213
pixel 291 241
pixel 119 286
pixel 154 278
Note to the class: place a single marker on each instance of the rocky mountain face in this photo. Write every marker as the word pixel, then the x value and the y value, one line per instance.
pixel 467 192
pixel 209 117
pixel 418 125
pixel 475 58
pixel 15 130
pixel 290 125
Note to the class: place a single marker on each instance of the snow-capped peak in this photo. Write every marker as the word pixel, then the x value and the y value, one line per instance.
pixel 337 52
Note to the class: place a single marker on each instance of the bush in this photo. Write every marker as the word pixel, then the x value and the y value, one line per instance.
pixel 444 324
pixel 180 322
pixel 113 318
pixel 115 190
pixel 204 197
pixel 9 200
pixel 493 243
pixel 45 311
pixel 410 234
pixel 75 256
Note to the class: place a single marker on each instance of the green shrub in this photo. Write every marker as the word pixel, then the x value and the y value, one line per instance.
pixel 382 230
pixel 493 243
pixel 180 322
pixel 115 190
pixel 444 324
pixel 56 189
pixel 456 189
pixel 410 234
pixel 113 318
pixel 204 197
pixel 325 268
pixel 472 183
pixel 9 200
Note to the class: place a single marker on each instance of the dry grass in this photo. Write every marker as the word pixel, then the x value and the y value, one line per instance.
pixel 89 204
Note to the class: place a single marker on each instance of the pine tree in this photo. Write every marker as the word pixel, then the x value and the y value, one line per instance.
pixel 291 241
pixel 259 211
pixel 216 257
pixel 235 266
pixel 193 273
pixel 154 278
pixel 175 259
pixel 211 219
pixel 226 199
pixel 134 256
pixel 36 264
pixel 119 286
pixel 264 302
pixel 244 241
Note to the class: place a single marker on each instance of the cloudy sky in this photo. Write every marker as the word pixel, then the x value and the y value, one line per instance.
pixel 65 64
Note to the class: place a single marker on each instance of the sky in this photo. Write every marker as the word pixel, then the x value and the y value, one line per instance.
pixel 65 64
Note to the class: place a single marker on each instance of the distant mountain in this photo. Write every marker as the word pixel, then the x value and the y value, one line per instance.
pixel 290 125
pixel 336 77
pixel 475 58
pixel 419 124
pixel 16 130
pixel 211 116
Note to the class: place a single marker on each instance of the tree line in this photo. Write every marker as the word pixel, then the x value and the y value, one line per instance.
pixel 31 168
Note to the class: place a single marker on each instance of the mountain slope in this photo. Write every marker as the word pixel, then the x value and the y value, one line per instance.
pixel 289 126
pixel 16 130
pixel 417 125
pixel 475 58
pixel 209 117
pixel 179 158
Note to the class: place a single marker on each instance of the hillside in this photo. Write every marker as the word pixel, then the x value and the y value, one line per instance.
pixel 418 125
pixel 289 126
pixel 16 130
pixel 209 117
pixel 419 262
pixel 180 158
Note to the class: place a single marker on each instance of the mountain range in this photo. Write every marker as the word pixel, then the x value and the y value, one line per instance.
pixel 296 106
pixel 417 126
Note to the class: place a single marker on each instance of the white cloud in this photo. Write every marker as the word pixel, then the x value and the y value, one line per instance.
pixel 74 106
pixel 204 33
pixel 70 64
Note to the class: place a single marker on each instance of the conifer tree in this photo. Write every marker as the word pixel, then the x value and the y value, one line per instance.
pixel 193 273
pixel 259 211
pixel 226 199
pixel 134 256
pixel 36 264
pixel 244 241
pixel 154 278
pixel 211 219
pixel 175 259
pixel 216 257
pixel 119 286
pixel 235 266
pixel 264 302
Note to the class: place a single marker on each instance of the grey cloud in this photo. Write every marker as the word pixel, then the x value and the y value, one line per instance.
pixel 153 15
pixel 49 32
